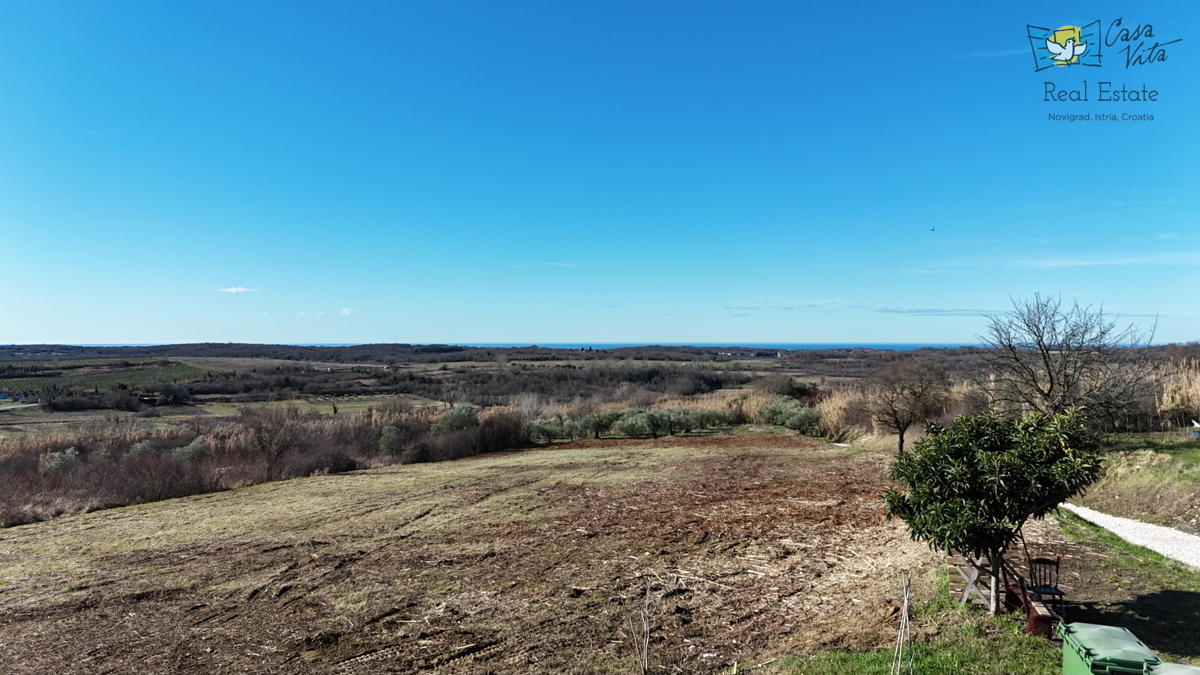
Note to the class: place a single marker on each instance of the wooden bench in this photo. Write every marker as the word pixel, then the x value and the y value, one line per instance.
pixel 968 584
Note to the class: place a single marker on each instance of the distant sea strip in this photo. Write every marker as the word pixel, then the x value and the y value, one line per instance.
pixel 899 347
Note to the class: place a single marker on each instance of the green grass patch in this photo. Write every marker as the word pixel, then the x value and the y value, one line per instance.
pixel 1150 477
pixel 1156 598
pixel 220 409
pixel 104 374
pixel 1151 567
pixel 967 643
pixel 1176 444
pixel 1163 612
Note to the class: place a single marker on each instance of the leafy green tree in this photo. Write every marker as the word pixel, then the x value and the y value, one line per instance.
pixel 661 422
pixel 681 420
pixel 973 486
pixel 196 451
pixel 779 409
pixel 599 423
pixel 635 424
pixel 391 442
pixel 804 421
pixel 459 417
pixel 550 429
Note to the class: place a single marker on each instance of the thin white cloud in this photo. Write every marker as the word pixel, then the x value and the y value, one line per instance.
pixel 936 312
pixel 235 289
pixel 1177 259
pixel 779 308
pixel 345 311
pixel 88 132
pixel 1183 258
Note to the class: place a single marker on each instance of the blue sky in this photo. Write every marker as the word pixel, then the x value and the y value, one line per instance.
pixel 550 172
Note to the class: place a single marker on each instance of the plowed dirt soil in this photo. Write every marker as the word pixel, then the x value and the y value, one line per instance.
pixel 516 563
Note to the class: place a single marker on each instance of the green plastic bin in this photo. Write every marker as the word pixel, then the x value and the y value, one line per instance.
pixel 1165 668
pixel 1091 648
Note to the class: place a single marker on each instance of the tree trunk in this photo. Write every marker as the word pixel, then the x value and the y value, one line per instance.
pixel 995 561
pixel 900 443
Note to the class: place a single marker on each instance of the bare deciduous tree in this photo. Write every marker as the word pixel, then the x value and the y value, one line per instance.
pixel 271 432
pixel 905 394
pixel 1046 357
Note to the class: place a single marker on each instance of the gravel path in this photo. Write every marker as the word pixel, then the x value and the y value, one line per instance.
pixel 17 407
pixel 1168 541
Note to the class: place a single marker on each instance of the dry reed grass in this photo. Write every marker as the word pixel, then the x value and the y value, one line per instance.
pixel 1181 387
pixel 843 414
pixel 748 401
pixel 110 438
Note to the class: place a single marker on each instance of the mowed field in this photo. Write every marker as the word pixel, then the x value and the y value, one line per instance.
pixel 510 563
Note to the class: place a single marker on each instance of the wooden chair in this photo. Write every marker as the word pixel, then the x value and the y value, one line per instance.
pixel 1043 580
pixel 1039 619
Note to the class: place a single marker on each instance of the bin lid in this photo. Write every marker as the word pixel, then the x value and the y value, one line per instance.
pixel 1172 669
pixel 1099 644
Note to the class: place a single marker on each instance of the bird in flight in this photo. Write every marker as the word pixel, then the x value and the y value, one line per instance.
pixel 1067 52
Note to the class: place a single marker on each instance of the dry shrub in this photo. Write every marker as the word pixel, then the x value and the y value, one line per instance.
pixel 579 407
pixel 359 433
pixel 533 406
pixel 632 395
pixel 45 475
pixel 111 438
pixel 843 414
pixel 1181 389
pixel 97 483
pixel 503 427
pixel 267 434
pixel 744 402
pixel 499 428
pixel 966 398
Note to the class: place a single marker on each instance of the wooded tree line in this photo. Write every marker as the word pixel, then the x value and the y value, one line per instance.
pixel 384 353
pixel 604 381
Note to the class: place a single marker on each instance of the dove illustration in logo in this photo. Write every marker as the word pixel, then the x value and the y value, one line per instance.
pixel 1066 45
pixel 1066 53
